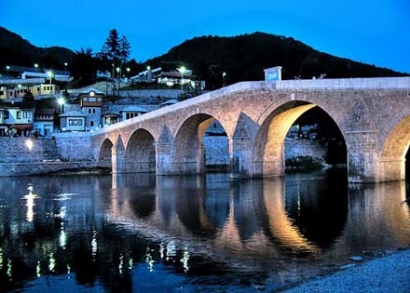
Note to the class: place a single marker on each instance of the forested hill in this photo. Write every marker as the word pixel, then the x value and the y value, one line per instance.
pixel 244 57
pixel 14 50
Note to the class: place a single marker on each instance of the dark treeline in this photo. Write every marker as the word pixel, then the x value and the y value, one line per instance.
pixel 217 60
pixel 244 57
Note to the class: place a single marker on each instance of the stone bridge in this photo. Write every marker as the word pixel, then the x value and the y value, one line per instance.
pixel 373 115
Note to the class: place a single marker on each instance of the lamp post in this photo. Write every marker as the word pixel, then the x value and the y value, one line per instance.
pixel 61 103
pixel 50 75
pixel 223 78
pixel 36 66
pixel 65 68
pixel 119 80
pixel 182 70
pixel 8 68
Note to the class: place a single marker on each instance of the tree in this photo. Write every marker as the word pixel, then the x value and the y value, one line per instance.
pixel 83 67
pixel 111 48
pixel 125 48
pixel 115 51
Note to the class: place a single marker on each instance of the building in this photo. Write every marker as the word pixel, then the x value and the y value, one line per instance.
pixel 16 119
pixel 72 121
pixel 44 122
pixel 131 112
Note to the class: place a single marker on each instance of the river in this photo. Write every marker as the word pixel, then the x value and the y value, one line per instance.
pixel 208 233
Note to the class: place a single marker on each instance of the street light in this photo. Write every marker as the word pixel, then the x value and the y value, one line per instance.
pixel 50 75
pixel 223 78
pixel 65 66
pixel 36 66
pixel 61 103
pixel 8 68
pixel 182 70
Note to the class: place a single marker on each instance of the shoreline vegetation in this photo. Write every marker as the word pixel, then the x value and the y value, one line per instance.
pixel 83 171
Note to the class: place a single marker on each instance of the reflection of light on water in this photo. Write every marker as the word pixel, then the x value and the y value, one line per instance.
pixel 149 260
pixel 161 250
pixel 185 259
pixel 63 238
pixel 38 270
pixel 52 263
pixel 1 258
pixel 68 271
pixel 121 264
pixel 9 269
pixel 30 197
pixel 130 263
pixel 171 249
pixel 64 196
pixel 94 245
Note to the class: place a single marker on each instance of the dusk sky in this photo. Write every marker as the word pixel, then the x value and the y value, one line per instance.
pixel 375 32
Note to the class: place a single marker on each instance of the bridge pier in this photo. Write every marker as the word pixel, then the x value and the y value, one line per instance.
pixel 392 169
pixel 184 163
pixel 365 165
pixel 118 157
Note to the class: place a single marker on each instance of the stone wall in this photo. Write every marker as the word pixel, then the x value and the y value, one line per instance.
pixel 74 146
pixel 304 148
pixel 216 150
pixel 27 149
pixel 21 156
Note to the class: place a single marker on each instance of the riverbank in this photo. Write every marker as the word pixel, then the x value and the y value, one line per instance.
pixel 386 274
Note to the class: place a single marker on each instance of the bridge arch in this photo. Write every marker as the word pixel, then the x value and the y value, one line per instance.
pixel 394 149
pixel 104 155
pixel 140 154
pixel 188 156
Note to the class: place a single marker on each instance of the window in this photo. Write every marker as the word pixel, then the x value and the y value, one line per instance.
pixel 75 122
pixel 26 114
pixel 92 123
pixel 18 115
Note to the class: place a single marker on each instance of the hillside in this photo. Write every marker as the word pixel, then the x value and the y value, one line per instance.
pixel 245 57
pixel 242 58
pixel 14 50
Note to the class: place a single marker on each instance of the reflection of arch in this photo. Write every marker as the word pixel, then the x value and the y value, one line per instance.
pixel 105 151
pixel 280 225
pixel 268 154
pixel 140 152
pixel 395 148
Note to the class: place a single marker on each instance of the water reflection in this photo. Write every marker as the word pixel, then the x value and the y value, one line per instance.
pixel 114 232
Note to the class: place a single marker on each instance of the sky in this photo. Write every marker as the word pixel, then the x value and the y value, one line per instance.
pixel 375 32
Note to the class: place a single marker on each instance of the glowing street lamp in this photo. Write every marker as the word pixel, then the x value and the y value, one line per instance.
pixel 61 102
pixel 8 68
pixel 65 67
pixel 36 66
pixel 50 75
pixel 182 70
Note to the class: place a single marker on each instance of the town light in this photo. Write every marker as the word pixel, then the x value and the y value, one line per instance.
pixel 50 75
pixel 182 70
pixel 36 66
pixel 29 144
pixel 61 102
